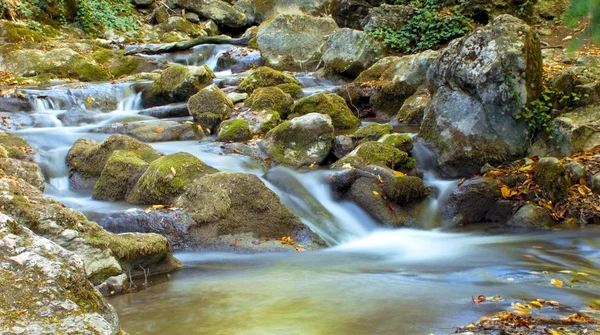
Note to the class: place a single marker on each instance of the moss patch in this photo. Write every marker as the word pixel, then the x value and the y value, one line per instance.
pixel 266 77
pixel 234 131
pixel 119 175
pixel 329 104
pixel 375 153
pixel 270 98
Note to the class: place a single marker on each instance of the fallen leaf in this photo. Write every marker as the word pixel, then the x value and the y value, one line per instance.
pixel 312 165
pixel 376 193
pixel 536 304
pixel 556 282
pixel 480 298
pixel 399 174
pixel 159 130
pixel 173 171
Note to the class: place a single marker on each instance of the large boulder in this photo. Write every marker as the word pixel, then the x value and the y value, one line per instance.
pixel 270 98
pixel 266 77
pixel 479 85
pixel 301 141
pixel 328 104
pixel 219 11
pixel 234 131
pixel 471 201
pixel 551 9
pixel 177 83
pixel 155 131
pixel 48 286
pixel 87 158
pixel 120 173
pixel 209 107
pixel 167 177
pixel 391 16
pixel 294 42
pixel 349 52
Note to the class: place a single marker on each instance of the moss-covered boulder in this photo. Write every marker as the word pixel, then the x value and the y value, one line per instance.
pixel 167 177
pixel 553 177
pixel 210 106
pixel 30 172
pixel 13 32
pixel 235 130
pixel 260 121
pixel 401 142
pixel 177 83
pixel 329 104
pixel 15 147
pixel 349 52
pixel 270 98
pixel 471 202
pixel 219 11
pixel 375 153
pixel 294 90
pixel 294 42
pixel 266 77
pixel 177 24
pixel 301 141
pixel 155 131
pixel 120 173
pixel 376 70
pixel 413 109
pixel 87 158
pixel 119 64
pixel 372 132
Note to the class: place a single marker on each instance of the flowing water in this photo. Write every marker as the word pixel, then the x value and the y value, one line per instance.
pixel 370 280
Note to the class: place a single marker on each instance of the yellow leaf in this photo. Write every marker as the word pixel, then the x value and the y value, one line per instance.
pixel 312 165
pixel 173 171
pixel 89 100
pixel 159 130
pixel 554 332
pixel 159 206
pixel 505 191
pixel 189 122
pixel 556 282
pixel 536 304
pixel 376 193
pixel 346 166
pixel 471 326
pixel 399 174
pixel 526 168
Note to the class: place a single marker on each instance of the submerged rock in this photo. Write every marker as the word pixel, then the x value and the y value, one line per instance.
pixel 155 131
pixel 329 104
pixel 301 141
pixel 209 107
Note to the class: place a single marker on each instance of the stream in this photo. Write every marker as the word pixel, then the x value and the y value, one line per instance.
pixel 370 280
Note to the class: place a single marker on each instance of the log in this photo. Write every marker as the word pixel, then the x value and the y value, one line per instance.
pixel 188 44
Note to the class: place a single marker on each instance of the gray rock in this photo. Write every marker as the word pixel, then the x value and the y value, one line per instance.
pixel 234 131
pixel 258 11
pixel 349 52
pixel 154 131
pixel 479 84
pixel 219 11
pixel 237 97
pixel 177 83
pixel 595 184
pixel 209 107
pixel 167 111
pixel 30 172
pixel 240 60
pixel 471 201
pixel 551 9
pixel 392 16
pixel 576 171
pixel 552 176
pixel 211 28
pixel 343 145
pixel 143 3
pixel 349 13
pixel 531 216
pixel 192 17
pixel 413 109
pixel 261 121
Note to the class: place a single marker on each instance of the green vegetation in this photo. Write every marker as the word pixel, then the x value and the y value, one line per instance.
pixel 582 9
pixel 433 24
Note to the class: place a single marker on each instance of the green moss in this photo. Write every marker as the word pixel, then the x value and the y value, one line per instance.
pixel 270 98
pixel 294 90
pixel 170 79
pixel 373 131
pixel 376 70
pixel 399 141
pixel 266 77
pixel 15 146
pixel 375 153
pixel 407 189
pixel 272 119
pixel 329 104
pixel 15 33
pixel 178 82
pixel 234 131
pixel 119 175
pixel 85 71
pixel 102 56
pixel 167 177
pixel 553 177
pixel 253 43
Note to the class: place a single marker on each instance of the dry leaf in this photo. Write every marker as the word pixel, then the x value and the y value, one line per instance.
pixel 556 282
pixel 376 193
pixel 159 130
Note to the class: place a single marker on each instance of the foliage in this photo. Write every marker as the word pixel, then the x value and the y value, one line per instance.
pixel 582 9
pixel 433 24
pixel 539 113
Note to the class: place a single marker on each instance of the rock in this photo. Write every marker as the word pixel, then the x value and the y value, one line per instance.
pixel 237 97
pixel 259 11
pixel 234 131
pixel 576 171
pixel 120 173
pixel 374 153
pixel 531 216
pixel 349 13
pixel 14 104
pixel 87 158
pixel 471 201
pixel 177 83
pixel 167 111
pixel 372 132
pixel 219 11
pixel 401 142
pixel 329 104
pixel 401 80
pixel 349 52
pixel 479 83
pixel 343 145
pixel 266 77
pixel 118 64
pixel 294 42
pixel 209 107
pixel 160 14
pixel 229 204
pixel 391 16
pixel 15 147
pixel 30 172
pixel 166 178
pixel 260 122
pixel 192 17
pixel 239 60
pixel 294 90
pixel 114 285
pixel 154 131
pixel 413 109
pixel 551 9
pixel 301 141
pixel 552 176
pixel 376 70
pixel 270 98
pixel 143 3
pixel 571 132
pixel 595 184
pixel 50 284
pixel 211 28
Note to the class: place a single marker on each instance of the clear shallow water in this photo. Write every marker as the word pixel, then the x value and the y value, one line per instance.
pixel 370 281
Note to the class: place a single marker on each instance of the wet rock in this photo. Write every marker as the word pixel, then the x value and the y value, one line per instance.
pixel 87 158
pixel 237 97
pixel 114 285
pixel 349 52
pixel 50 284
pixel 374 153
pixel 501 211
pixel 413 109
pixel 234 131
pixel 167 111
pixel 178 26
pixel 120 173
pixel 239 60
pixel 75 117
pixel 531 216
pixel 266 77
pixel 211 28
pixel 209 107
pixel 471 201
pixel 270 98
pixel 376 70
pixel 177 83
pixel 30 172
pixel 552 176
pixel 349 13
pixel 328 104
pixel 14 104
pixel 118 64
pixel 167 177
pixel 154 131
pixel 479 84
pixel 301 141
pixel 391 16
pixel 372 132
pixel 219 11
pixel 294 42
pixel 401 142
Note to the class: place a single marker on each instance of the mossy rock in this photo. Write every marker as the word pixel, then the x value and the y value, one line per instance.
pixel 118 64
pixel 15 147
pixel 210 106
pixel 121 172
pixel 294 90
pixel 234 131
pixel 11 32
pixel 167 177
pixel 178 83
pixel 401 142
pixel 413 108
pixel 266 77
pixel 28 171
pixel 270 120
pixel 181 25
pixel 406 189
pixel 553 177
pixel 372 132
pixel 375 153
pixel 155 131
pixel 87 158
pixel 329 104
pixel 270 98
pixel 376 70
